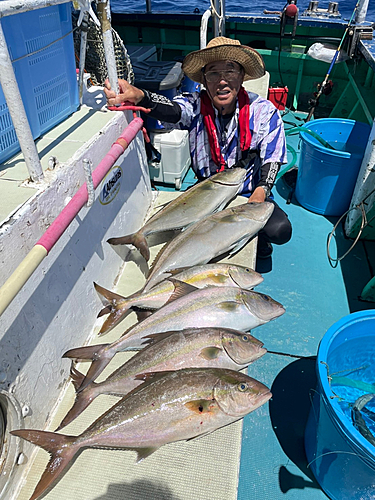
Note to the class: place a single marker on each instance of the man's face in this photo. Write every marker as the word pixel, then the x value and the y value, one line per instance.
pixel 223 81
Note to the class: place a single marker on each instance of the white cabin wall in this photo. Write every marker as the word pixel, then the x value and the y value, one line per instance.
pixel 57 308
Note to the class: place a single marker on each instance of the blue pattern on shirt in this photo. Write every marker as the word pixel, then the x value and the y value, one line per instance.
pixel 266 127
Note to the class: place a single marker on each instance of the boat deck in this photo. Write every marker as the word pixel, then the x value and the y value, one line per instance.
pixel 315 295
pixel 262 457
pixel 60 143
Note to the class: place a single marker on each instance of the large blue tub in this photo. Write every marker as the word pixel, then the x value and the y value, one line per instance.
pixel 326 177
pixel 342 460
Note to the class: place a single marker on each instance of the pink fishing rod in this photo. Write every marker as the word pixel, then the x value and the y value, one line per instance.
pixel 62 221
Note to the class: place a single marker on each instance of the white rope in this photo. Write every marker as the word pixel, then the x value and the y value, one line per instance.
pixel 89 182
pixel 215 12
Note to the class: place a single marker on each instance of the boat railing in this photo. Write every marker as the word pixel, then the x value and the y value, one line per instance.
pixel 33 259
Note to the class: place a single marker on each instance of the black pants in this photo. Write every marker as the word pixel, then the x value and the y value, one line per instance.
pixel 278 228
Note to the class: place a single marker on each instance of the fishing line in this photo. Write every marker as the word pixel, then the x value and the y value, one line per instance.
pixel 364 223
pixel 333 452
pixel 291 355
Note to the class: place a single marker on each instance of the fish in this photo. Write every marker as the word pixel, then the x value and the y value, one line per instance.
pixel 191 347
pixel 206 197
pixel 168 407
pixel 227 307
pixel 212 236
pixel 358 421
pixel 199 276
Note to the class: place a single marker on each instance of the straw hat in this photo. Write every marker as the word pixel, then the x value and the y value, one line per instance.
pixel 224 49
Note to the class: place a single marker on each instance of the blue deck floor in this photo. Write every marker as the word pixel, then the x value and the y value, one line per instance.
pixel 315 295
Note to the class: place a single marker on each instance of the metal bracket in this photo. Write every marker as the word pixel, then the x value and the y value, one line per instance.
pixel 355 34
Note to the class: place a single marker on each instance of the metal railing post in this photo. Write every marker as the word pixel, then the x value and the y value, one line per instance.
pixel 104 14
pixel 218 18
pixel 82 53
pixel 360 15
pixel 17 111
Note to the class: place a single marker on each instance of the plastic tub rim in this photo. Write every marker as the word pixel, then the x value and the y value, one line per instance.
pixel 316 145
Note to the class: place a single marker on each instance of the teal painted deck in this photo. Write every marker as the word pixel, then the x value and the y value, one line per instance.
pixel 315 295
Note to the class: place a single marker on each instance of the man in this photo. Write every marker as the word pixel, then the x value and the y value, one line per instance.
pixel 227 125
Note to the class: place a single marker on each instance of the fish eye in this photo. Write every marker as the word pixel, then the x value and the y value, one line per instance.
pixel 248 270
pixel 245 338
pixel 265 297
pixel 242 386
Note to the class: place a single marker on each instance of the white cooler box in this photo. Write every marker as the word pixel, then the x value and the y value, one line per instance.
pixel 175 156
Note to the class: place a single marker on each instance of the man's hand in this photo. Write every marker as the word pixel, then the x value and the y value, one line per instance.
pixel 258 196
pixel 127 92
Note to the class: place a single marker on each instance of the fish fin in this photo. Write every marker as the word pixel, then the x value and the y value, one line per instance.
pixel 101 359
pixel 200 405
pixel 105 310
pixel 228 305
pixel 151 376
pixel 76 376
pixel 180 289
pixel 159 207
pixel 85 352
pixel 210 352
pixel 142 313
pixel 115 317
pixel 199 436
pixel 178 270
pixel 137 239
pixel 60 447
pixel 157 257
pixel 100 356
pixel 115 305
pixel 156 337
pixel 239 245
pixel 106 296
pixel 143 453
pixel 82 400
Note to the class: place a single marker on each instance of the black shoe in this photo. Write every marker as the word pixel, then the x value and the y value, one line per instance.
pixel 264 249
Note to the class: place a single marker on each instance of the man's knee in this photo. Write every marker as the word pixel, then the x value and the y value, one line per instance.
pixel 280 232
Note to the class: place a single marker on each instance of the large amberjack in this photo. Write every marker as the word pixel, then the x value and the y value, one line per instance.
pixel 204 198
pixel 192 347
pixel 227 307
pixel 218 274
pixel 225 231
pixel 167 407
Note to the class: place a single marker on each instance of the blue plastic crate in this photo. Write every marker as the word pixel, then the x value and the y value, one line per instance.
pixel 44 64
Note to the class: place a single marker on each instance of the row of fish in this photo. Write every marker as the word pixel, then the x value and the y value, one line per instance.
pixel 184 381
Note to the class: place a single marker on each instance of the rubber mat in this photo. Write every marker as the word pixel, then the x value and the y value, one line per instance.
pixel 204 468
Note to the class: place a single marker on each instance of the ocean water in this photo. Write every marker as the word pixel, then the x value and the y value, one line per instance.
pixel 345 7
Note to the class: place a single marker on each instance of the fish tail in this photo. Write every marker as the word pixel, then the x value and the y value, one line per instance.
pixel 76 376
pixel 100 355
pixel 116 306
pixel 85 352
pixel 61 448
pixel 137 239
pixel 115 317
pixel 82 401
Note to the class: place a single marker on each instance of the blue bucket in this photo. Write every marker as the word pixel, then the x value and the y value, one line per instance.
pixel 326 177
pixel 342 460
